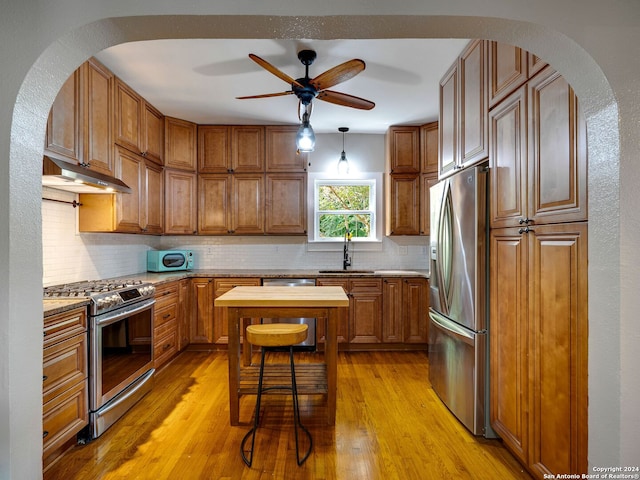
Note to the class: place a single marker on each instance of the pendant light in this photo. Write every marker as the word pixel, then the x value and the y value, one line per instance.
pixel 305 138
pixel 343 163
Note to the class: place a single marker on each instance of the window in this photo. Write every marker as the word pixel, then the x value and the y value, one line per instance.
pixel 345 204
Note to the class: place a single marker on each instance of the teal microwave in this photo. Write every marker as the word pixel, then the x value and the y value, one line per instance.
pixel 169 260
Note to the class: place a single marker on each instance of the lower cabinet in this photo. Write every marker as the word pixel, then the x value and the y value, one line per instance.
pixel 220 324
pixel 201 330
pixel 406 310
pixel 539 332
pixel 165 323
pixel 65 398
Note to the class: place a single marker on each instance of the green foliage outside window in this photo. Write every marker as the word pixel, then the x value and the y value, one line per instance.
pixel 342 208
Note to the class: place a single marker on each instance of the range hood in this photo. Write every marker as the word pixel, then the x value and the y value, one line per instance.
pixel 75 178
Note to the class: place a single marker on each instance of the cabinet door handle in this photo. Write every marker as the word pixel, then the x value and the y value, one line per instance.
pixel 44 377
pixel 45 433
pixel 166 316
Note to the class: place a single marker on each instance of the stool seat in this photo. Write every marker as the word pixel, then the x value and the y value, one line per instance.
pixel 276 334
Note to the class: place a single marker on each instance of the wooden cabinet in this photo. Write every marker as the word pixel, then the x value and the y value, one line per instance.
pixel 184 313
pixel 138 126
pixel 403 199
pixel 65 409
pixel 220 323
pixel 365 310
pixel 138 212
pixel 180 144
pixel 79 128
pixel 464 106
pixel 429 148
pixel 64 126
pixel 392 310
pixel 128 117
pixel 229 149
pixel 285 202
pixel 411 157
pixel 426 182
pixel 538 155
pixel 98 117
pixel 448 122
pixel 201 328
pixel 406 308
pixel 538 303
pixel 508 70
pixel 180 202
pixel 231 204
pixel 403 149
pixel 281 154
pixel 415 296
pixel 152 134
pixel 165 323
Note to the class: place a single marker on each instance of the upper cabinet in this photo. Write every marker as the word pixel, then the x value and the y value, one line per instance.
pixel 64 127
pixel 508 69
pixel 411 166
pixel 180 144
pixel 403 149
pixel 230 149
pixel 98 117
pixel 138 126
pixel 79 128
pixel 538 155
pixel 464 110
pixel 281 153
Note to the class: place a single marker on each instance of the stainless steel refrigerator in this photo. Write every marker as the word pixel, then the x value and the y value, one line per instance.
pixel 458 317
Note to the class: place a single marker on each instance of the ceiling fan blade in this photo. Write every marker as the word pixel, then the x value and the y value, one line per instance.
pixel 266 95
pixel 339 73
pixel 345 100
pixel 270 68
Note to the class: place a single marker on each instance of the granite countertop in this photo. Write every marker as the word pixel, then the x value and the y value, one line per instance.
pixel 158 278
pixel 53 306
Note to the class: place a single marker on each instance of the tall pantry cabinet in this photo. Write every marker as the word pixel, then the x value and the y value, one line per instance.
pixel 538 264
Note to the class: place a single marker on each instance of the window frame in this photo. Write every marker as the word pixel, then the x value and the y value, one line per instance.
pixel 374 180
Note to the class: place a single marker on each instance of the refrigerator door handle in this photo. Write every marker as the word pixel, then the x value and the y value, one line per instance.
pixel 452 329
pixel 442 257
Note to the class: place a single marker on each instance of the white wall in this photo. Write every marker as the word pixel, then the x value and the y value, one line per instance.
pixel 592 43
pixel 69 256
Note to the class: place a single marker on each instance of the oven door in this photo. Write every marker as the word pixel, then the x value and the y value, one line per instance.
pixel 121 362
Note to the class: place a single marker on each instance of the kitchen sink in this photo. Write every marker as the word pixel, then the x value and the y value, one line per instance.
pixel 346 271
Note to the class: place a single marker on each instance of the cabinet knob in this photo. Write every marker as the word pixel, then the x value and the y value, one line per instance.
pixel 45 433
pixel 44 377
pixel 527 229
pixel 524 221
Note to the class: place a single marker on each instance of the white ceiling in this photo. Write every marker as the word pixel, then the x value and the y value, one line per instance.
pixel 198 80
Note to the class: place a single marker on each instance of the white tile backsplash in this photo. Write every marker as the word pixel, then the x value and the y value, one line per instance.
pixel 69 256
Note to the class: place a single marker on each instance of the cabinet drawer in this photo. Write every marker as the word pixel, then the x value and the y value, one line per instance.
pixel 223 285
pixel 366 285
pixel 64 364
pixel 64 325
pixel 164 315
pixel 166 295
pixel 63 417
pixel 166 344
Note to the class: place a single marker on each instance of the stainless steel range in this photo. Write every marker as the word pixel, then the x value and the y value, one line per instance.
pixel 120 345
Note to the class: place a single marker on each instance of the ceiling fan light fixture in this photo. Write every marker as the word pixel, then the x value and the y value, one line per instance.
pixel 343 163
pixel 305 138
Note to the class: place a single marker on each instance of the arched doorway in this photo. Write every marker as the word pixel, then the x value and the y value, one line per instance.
pixel 41 84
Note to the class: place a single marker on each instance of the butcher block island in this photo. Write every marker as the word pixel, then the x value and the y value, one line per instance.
pixel 328 303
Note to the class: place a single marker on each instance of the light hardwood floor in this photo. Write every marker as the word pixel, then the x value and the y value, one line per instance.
pixel 389 425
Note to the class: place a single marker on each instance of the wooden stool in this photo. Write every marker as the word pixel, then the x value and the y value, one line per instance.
pixel 267 336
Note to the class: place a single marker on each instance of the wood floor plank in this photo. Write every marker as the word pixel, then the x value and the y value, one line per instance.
pixel 389 425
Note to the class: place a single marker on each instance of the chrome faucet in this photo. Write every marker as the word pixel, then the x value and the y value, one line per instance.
pixel 346 259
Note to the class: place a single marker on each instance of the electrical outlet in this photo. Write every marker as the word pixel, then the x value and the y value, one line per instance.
pixel 402 250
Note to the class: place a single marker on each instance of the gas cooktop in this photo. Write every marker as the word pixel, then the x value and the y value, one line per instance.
pixel 105 295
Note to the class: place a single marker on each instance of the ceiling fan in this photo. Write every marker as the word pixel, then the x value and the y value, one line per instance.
pixel 306 89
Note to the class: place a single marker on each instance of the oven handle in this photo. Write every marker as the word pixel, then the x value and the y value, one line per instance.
pixel 109 318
